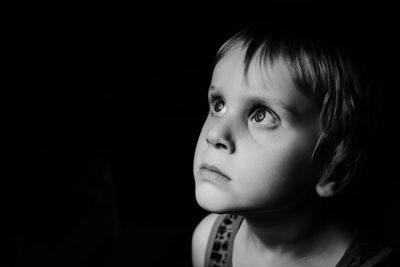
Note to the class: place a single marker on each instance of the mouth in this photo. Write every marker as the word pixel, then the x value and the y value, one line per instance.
pixel 214 171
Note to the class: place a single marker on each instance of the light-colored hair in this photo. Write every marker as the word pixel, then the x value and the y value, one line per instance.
pixel 323 70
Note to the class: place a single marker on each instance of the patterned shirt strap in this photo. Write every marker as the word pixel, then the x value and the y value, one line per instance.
pixel 220 242
pixel 235 228
pixel 211 240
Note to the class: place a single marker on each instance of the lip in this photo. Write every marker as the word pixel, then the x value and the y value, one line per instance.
pixel 214 170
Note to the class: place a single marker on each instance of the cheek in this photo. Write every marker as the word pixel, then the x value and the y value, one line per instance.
pixel 274 168
pixel 294 162
pixel 286 152
pixel 276 174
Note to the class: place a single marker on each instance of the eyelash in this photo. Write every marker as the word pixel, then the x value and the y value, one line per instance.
pixel 213 98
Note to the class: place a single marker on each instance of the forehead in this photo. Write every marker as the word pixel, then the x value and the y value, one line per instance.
pixel 263 75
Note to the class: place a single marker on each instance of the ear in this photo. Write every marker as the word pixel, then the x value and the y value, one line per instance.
pixel 330 188
pixel 326 189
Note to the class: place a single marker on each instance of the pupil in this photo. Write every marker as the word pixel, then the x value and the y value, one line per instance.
pixel 260 115
pixel 219 106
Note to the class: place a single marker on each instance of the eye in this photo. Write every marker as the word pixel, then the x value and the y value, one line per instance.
pixel 217 104
pixel 265 117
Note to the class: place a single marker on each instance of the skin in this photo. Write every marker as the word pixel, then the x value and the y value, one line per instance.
pixel 260 134
pixel 268 160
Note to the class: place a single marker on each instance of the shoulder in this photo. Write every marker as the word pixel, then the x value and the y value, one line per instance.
pixel 391 260
pixel 373 250
pixel 200 238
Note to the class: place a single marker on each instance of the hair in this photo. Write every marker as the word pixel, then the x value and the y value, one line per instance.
pixel 328 72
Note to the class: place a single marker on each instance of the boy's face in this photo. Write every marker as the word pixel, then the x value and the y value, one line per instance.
pixel 254 151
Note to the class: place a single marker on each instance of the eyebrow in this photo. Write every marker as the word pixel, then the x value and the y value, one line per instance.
pixel 212 88
pixel 256 99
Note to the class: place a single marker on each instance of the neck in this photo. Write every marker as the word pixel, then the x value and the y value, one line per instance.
pixel 283 229
pixel 298 232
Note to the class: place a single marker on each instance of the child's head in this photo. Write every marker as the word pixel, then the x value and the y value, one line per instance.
pixel 288 117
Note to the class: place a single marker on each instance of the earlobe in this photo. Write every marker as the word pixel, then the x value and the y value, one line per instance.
pixel 327 189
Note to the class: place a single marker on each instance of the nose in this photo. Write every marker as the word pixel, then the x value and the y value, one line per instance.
pixel 220 137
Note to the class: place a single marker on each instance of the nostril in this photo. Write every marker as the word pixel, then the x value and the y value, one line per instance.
pixel 224 145
pixel 220 145
pixel 214 143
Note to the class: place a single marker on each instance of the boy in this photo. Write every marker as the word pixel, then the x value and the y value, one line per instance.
pixel 288 126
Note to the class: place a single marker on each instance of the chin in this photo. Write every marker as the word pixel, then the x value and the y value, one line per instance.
pixel 213 201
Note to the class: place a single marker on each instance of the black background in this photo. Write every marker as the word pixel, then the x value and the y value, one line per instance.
pixel 106 104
